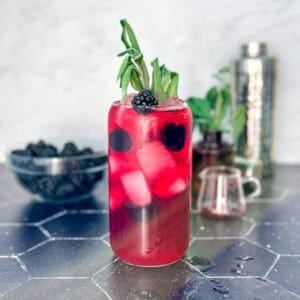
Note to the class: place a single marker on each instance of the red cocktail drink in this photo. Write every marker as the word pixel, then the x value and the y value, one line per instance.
pixel 149 182
pixel 149 162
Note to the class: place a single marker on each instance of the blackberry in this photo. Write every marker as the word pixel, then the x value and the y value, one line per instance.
pixel 77 179
pixel 73 165
pixel 49 151
pixel 98 176
pixel 120 140
pixel 28 182
pixel 32 150
pixel 46 186
pixel 173 136
pixel 41 144
pixel 86 151
pixel 69 149
pixel 65 189
pixel 144 102
pixel 145 213
pixel 41 149
pixel 20 152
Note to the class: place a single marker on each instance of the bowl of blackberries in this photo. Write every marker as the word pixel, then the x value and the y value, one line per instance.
pixel 56 175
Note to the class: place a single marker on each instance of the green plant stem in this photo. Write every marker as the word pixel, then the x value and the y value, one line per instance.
pixel 133 69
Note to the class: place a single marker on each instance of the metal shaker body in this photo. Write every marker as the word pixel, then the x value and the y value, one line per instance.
pixel 253 86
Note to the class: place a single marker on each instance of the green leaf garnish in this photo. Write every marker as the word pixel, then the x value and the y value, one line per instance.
pixel 133 69
pixel 172 90
pixel 165 78
pixel 123 67
pixel 135 81
pixel 128 33
pixel 125 80
pixel 155 87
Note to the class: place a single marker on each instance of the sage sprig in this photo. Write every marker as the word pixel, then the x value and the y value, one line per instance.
pixel 164 82
pixel 133 70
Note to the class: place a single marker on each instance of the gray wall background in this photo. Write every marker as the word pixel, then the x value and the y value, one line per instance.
pixel 58 59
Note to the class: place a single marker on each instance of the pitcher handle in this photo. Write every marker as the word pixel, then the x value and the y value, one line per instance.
pixel 257 184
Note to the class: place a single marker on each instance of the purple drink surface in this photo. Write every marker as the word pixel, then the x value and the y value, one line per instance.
pixel 149 183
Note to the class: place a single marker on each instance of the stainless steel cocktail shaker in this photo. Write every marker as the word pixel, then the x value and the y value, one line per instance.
pixel 253 85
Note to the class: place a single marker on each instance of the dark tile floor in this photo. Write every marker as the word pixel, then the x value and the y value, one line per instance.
pixel 52 252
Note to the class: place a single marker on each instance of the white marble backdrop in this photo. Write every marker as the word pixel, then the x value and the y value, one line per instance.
pixel 58 59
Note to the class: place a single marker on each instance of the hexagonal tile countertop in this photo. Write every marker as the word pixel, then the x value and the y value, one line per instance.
pixel 63 252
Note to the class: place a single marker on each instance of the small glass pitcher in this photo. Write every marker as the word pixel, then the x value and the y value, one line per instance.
pixel 222 193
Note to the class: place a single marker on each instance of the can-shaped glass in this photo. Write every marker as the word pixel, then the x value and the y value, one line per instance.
pixel 149 157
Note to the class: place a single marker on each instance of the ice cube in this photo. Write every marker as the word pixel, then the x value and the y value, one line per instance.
pixel 160 169
pixel 155 160
pixel 136 187
pixel 128 99
pixel 172 103
pixel 114 163
pixel 169 186
pixel 120 163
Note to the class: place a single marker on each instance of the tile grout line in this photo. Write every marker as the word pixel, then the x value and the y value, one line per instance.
pixel 35 247
pixel 106 242
pixel 249 220
pixel 266 200
pixel 101 289
pixel 44 231
pixel 60 277
pixel 53 217
pixel 192 239
pixel 250 230
pixel 194 268
pixel 284 194
pixel 211 238
pixel 271 200
pixel 62 238
pixel 17 224
pixel 276 283
pixel 104 267
pixel 23 266
pixel 86 211
pixel 15 287
pixel 260 246
pixel 231 277
pixel 272 266
pixel 279 223
pixel 105 235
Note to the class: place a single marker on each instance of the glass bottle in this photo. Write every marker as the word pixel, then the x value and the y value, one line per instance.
pixel 211 151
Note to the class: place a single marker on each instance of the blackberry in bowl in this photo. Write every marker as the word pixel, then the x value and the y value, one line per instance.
pixel 57 176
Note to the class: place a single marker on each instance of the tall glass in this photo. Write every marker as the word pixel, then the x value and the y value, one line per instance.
pixel 149 182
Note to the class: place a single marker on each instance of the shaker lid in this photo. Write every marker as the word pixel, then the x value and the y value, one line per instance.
pixel 254 49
